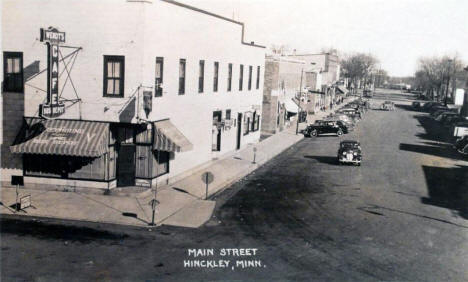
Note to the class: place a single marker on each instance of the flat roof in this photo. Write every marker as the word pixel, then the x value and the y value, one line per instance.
pixel 213 15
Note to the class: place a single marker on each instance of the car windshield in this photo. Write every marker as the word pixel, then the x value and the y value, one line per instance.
pixel 350 145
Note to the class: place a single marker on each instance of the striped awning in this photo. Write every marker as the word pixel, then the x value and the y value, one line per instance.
pixel 63 137
pixel 168 138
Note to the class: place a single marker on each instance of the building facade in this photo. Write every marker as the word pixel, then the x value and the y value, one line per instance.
pixel 101 94
pixel 282 83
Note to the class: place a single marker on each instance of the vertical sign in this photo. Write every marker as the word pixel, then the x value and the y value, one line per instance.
pixel 53 38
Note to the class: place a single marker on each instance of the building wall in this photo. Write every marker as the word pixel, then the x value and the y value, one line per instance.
pixel 141 31
pixel 282 81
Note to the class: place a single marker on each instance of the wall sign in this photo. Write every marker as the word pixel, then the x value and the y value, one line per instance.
pixel 53 107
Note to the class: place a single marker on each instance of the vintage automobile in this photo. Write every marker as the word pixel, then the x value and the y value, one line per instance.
pixel 387 106
pixel 427 106
pixel 324 127
pixel 350 152
pixel 444 115
pixel 461 145
pixel 351 112
pixel 416 105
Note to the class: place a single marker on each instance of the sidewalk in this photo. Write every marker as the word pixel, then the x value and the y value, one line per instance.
pixel 180 204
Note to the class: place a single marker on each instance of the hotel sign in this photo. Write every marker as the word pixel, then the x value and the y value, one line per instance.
pixel 53 38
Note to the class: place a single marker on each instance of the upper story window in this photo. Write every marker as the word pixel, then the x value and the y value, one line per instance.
pixel 241 76
pixel 215 76
pixel 114 70
pixel 13 72
pixel 201 76
pixel 250 78
pixel 229 82
pixel 182 77
pixel 258 78
pixel 158 78
pixel 228 114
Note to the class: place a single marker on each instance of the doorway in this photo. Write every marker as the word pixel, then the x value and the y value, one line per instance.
pixel 239 130
pixel 126 165
pixel 216 137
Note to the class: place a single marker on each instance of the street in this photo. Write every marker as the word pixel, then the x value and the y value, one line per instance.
pixel 401 216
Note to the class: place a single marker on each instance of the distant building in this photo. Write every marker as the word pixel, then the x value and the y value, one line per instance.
pixel 156 88
pixel 282 82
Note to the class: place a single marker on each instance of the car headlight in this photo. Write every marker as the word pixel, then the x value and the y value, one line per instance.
pixel 344 153
pixel 355 153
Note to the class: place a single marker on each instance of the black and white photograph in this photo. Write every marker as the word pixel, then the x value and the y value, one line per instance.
pixel 234 140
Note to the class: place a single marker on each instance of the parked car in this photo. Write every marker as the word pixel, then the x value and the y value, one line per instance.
pixel 438 112
pixel 387 106
pixel 461 145
pixel 349 152
pixel 427 106
pixel 324 127
pixel 460 129
pixel 438 108
pixel 441 117
pixel 451 120
pixel 416 105
pixel 348 121
pixel 351 112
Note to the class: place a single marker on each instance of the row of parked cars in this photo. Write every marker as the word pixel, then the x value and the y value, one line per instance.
pixel 342 122
pixel 449 118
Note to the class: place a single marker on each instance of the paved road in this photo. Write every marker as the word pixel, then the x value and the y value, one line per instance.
pixel 401 216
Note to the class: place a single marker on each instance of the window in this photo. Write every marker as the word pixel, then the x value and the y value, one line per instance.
pixel 258 77
pixel 246 124
pixel 228 114
pixel 229 84
pixel 215 77
pixel 250 78
pixel 160 163
pixel 158 77
pixel 201 76
pixel 13 71
pixel 182 77
pixel 255 122
pixel 241 76
pixel 114 70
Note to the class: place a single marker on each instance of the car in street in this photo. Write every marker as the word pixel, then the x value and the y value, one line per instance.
pixel 349 152
pixel 325 127
pixel 444 115
pixel 416 105
pixel 427 106
pixel 461 145
pixel 351 112
pixel 438 108
pixel 387 106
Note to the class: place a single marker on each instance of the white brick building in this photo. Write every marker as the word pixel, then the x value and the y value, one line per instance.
pixel 195 65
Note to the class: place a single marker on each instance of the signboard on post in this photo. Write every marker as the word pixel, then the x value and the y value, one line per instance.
pixel 25 202
pixel 53 107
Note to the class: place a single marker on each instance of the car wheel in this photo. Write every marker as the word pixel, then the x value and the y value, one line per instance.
pixel 339 132
pixel 359 164
pixel 314 132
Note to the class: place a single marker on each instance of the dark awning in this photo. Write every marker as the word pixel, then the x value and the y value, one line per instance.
pixel 168 138
pixel 63 137
pixel 342 89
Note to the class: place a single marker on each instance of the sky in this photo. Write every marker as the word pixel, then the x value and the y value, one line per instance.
pixel 397 32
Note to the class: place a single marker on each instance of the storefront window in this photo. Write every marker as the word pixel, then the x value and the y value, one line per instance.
pixel 160 163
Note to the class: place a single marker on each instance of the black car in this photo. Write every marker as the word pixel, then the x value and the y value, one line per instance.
pixel 416 105
pixel 350 152
pixel 461 145
pixel 325 126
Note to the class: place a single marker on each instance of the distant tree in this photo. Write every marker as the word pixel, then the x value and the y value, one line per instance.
pixel 358 67
pixel 434 75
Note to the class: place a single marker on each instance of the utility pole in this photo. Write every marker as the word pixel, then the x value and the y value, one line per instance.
pixel 299 103
pixel 448 81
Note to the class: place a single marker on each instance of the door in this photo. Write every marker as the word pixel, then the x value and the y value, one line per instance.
pixel 239 130
pixel 126 166
pixel 216 134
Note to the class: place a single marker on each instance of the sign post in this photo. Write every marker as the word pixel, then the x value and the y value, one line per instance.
pixel 153 203
pixel 17 181
pixel 255 154
pixel 207 178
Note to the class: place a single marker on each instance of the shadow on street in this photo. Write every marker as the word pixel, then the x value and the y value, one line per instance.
pixel 447 188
